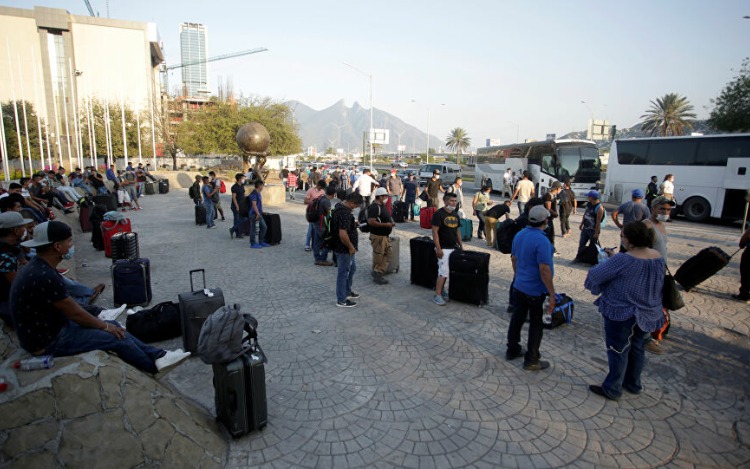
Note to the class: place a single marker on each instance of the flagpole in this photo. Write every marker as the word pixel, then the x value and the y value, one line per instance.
pixel 151 110
pixel 124 135
pixel 38 117
pixel 67 126
pixel 76 120
pixel 94 158
pixel 4 145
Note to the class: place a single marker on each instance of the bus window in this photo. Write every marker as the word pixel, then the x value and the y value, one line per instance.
pixel 548 164
pixel 715 152
pixel 632 152
pixel 675 152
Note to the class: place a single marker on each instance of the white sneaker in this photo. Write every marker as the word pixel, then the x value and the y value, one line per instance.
pixel 136 309
pixel 171 358
pixel 111 314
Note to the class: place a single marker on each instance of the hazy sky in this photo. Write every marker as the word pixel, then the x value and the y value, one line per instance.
pixel 495 65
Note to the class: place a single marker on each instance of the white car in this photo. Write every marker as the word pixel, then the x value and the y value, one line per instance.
pixel 403 164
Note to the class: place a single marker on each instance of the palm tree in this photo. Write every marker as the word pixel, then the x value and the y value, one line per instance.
pixel 458 141
pixel 669 115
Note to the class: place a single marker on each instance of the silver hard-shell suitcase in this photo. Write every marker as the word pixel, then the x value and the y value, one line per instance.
pixel 195 307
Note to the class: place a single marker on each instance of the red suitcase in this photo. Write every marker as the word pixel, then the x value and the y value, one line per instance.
pixel 425 217
pixel 109 229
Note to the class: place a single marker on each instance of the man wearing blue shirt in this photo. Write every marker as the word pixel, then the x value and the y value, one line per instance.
pixel 531 256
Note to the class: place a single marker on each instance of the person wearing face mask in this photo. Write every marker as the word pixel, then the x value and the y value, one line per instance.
pixel 12 231
pixel 480 204
pixel 660 208
pixel 446 233
pixel 50 322
pixel 433 187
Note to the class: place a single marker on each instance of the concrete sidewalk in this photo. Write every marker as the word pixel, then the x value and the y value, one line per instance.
pixel 400 382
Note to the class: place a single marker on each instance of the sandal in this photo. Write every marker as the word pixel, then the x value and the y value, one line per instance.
pixel 97 291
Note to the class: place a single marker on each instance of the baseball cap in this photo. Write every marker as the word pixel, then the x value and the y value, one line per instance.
pixel 538 214
pixel 661 201
pixel 11 220
pixel 380 191
pixel 593 194
pixel 556 185
pixel 637 193
pixel 47 233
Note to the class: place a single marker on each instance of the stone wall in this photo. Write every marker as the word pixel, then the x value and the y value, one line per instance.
pixel 94 410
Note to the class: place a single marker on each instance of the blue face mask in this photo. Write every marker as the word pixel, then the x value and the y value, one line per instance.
pixel 69 255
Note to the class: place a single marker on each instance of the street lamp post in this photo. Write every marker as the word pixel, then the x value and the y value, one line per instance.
pixel 429 107
pixel 590 130
pixel 369 136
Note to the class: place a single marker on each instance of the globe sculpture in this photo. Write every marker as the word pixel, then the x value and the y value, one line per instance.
pixel 253 139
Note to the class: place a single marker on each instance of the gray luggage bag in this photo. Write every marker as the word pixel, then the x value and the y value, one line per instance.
pixel 195 307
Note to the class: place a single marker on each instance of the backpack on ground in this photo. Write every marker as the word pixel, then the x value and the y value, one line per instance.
pixel 222 337
pixel 312 214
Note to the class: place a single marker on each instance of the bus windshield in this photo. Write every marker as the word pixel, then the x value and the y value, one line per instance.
pixel 579 163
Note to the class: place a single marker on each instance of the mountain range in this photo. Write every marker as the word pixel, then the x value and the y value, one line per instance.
pixel 339 126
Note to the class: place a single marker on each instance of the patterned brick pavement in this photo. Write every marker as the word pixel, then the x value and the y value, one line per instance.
pixel 400 382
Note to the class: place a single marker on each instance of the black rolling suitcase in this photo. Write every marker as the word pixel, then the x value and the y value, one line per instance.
pixel 195 307
pixel 701 267
pixel 399 211
pixel 273 225
pixel 96 219
pixel 423 261
pixel 240 393
pixel 125 246
pixel 148 188
pixel 84 217
pixel 108 200
pixel 200 214
pixel 163 186
pixel 131 282
pixel 469 277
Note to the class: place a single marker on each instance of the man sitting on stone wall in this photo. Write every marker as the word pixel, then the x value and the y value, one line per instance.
pixel 50 322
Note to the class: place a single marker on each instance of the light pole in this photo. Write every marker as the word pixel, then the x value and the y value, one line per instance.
pixel 590 130
pixel 369 76
pixel 429 107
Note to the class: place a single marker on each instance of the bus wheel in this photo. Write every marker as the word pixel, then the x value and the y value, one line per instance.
pixel 696 209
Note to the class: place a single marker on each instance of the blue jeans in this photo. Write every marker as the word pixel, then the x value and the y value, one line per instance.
pixel 74 339
pixel 80 293
pixel 102 190
pixel 531 306
pixel 308 238
pixel 480 228
pixel 210 209
pixel 521 207
pixel 626 357
pixel 320 253
pixel 346 268
pixel 237 225
pixel 261 224
pixel 78 182
pixel 586 237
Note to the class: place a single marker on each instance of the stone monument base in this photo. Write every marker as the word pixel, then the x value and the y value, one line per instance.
pixel 273 195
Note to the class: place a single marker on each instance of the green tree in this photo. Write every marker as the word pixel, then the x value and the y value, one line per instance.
pixel 731 111
pixel 458 141
pixel 99 125
pixel 668 115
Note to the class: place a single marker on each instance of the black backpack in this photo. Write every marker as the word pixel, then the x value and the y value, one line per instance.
pixel 329 231
pixel 504 235
pixel 365 227
pixel 312 214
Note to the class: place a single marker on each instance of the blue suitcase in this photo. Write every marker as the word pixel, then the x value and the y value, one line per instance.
pixel 131 282
pixel 467 227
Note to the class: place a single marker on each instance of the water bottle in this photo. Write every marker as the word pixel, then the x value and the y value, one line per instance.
pixel 602 257
pixel 35 363
pixel 546 316
pixel 3 385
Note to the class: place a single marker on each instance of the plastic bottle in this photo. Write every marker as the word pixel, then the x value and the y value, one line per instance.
pixel 35 363
pixel 3 385
pixel 602 257
pixel 546 316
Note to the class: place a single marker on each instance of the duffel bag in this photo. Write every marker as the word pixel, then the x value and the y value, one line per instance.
pixel 159 323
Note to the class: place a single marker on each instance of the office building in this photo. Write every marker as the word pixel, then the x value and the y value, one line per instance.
pixel 193 38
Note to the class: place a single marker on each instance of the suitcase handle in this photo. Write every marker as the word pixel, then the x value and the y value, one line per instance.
pixel 202 271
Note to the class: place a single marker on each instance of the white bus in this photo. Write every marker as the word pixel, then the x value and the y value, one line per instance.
pixel 548 161
pixel 710 172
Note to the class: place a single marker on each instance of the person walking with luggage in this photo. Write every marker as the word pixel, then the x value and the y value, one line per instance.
pixel 524 191
pixel 345 242
pixel 629 286
pixel 591 223
pixel 238 199
pixel 255 200
pixel 744 294
pixel 479 205
pixel 208 191
pixel 395 187
pixel 381 226
pixel 446 234
pixel 633 210
pixel 318 190
pixel 433 187
pixel 660 209
pixel 491 217
pixel 195 190
pixel 216 182
pixel 409 195
pixel 54 324
pixel 568 206
pixel 533 268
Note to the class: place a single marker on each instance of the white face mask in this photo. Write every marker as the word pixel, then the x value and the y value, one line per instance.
pixel 437 176
pixel 449 208
pixel 662 217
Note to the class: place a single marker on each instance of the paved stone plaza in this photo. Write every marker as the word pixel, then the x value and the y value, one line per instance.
pixel 400 382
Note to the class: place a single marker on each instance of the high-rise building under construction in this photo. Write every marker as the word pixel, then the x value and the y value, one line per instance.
pixel 193 39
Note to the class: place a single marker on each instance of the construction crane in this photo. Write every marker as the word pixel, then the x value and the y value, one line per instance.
pixel 166 68
pixel 90 8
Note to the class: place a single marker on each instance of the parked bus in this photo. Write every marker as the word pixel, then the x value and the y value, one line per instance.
pixel 710 172
pixel 548 161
